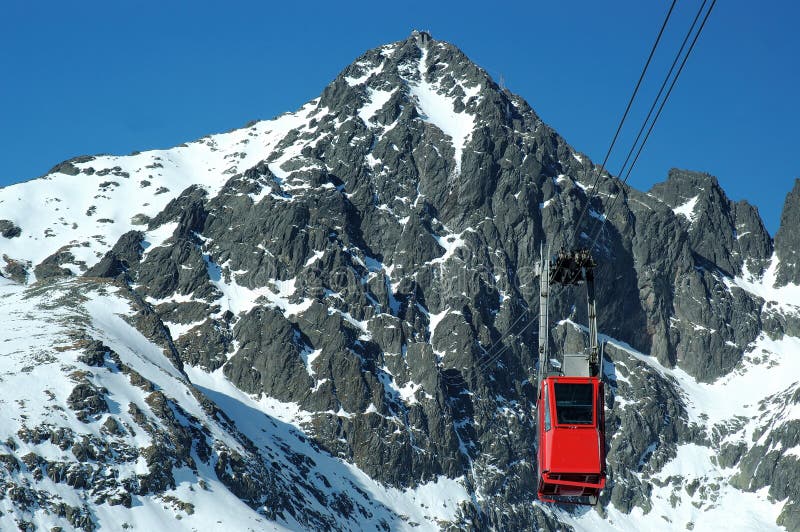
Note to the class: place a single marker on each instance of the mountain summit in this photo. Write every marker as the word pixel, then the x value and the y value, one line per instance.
pixel 323 321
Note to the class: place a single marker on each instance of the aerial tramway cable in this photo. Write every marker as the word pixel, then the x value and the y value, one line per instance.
pixel 552 486
pixel 484 364
pixel 600 170
pixel 658 114
pixel 644 124
pixel 661 89
pixel 624 116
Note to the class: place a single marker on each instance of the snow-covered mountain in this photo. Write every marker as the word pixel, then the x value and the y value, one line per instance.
pixel 302 324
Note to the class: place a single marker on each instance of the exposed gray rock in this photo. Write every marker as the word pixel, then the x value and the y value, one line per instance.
pixel 175 208
pixel 753 241
pixel 16 270
pixel 787 239
pixel 68 167
pixel 51 266
pixel 269 360
pixel 184 313
pixel 9 229
pixel 763 465
pixel 87 400
pixel 94 353
pixel 206 345
pixel 124 255
pixel 721 233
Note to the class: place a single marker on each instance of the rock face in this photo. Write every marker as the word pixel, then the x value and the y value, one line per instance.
pixel 373 265
pixel 9 229
pixel 125 254
pixel 728 236
pixel 705 324
pixel 787 239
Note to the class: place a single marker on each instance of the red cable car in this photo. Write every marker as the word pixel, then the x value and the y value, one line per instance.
pixel 570 413
pixel 571 440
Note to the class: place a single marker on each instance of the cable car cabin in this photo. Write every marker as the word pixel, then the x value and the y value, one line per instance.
pixel 570 417
pixel 571 440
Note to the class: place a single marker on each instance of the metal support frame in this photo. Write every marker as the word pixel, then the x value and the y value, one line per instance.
pixel 544 326
pixel 594 360
pixel 567 268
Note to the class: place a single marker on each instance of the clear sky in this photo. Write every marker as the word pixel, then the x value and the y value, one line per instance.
pixel 113 77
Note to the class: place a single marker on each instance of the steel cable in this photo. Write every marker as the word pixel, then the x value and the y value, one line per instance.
pixel 492 358
pixel 655 119
pixel 622 120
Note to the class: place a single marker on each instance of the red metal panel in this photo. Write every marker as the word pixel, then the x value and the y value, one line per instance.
pixel 571 456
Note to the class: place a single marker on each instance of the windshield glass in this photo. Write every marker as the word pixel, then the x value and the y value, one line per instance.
pixel 574 404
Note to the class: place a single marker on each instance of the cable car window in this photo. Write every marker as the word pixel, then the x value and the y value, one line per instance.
pixel 546 408
pixel 574 405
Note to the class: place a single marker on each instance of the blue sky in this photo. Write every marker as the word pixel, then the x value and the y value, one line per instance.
pixel 114 77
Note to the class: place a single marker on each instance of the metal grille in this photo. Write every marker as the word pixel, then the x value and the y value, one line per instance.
pixel 576 477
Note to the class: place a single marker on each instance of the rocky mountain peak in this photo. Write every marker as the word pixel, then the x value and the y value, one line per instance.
pixel 724 233
pixel 432 88
pixel 687 192
pixel 682 185
pixel 787 239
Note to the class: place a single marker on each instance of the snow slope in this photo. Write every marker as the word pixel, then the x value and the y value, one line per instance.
pixel 88 212
pixel 438 108
pixel 41 362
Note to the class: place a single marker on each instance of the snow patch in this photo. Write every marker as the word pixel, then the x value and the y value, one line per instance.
pixel 240 299
pixel 375 102
pixel 450 244
pixel 772 363
pixel 594 214
pixel 687 209
pixel 438 109
pixel 309 356
pixel 787 297
pixel 369 71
